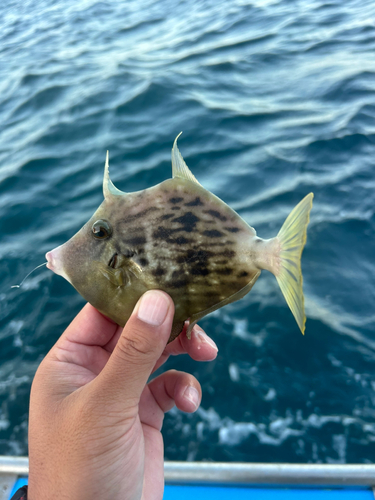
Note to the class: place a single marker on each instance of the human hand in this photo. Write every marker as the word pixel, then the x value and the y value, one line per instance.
pixel 94 429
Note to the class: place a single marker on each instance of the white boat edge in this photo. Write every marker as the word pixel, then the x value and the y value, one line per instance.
pixel 267 474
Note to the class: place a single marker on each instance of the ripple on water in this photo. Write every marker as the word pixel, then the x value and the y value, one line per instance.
pixel 275 99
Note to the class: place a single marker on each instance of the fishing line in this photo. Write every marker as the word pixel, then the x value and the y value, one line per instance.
pixel 37 267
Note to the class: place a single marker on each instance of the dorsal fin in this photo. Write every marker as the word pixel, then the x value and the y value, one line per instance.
pixel 108 187
pixel 179 167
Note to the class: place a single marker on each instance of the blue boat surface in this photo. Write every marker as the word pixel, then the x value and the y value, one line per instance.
pixel 239 481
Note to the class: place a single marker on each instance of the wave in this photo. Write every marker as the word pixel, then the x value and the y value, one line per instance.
pixel 293 430
pixel 275 100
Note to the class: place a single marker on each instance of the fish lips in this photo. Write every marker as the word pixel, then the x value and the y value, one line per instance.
pixel 54 262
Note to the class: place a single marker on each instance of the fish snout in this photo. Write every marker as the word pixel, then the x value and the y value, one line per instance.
pixel 55 261
pixel 51 260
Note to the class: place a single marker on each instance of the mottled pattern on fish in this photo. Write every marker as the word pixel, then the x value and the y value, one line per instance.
pixel 180 238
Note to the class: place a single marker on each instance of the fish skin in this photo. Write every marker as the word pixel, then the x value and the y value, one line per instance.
pixel 183 239
pixel 178 237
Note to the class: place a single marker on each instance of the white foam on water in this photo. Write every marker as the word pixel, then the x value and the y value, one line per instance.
pixel 241 329
pixel 234 372
pixel 271 394
pixel 233 433
pixel 12 329
pixel 228 433
pixel 339 444
pixel 4 422
pixel 12 382
pixel 317 421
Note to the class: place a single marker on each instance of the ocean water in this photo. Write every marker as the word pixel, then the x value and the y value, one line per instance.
pixel 276 98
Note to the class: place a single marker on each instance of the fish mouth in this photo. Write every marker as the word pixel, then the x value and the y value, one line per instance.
pixel 49 260
pixel 113 261
pixel 54 260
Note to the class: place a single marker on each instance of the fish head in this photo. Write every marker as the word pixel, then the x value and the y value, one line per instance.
pixel 95 262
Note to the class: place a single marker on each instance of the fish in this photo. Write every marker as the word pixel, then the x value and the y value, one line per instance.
pixel 181 238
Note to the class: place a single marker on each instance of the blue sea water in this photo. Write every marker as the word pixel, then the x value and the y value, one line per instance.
pixel 276 98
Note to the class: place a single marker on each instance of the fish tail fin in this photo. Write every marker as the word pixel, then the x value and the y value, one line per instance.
pixel 289 244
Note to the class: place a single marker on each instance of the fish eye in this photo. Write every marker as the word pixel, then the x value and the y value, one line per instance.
pixel 101 229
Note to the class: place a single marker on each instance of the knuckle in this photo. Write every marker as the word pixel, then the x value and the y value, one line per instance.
pixel 139 345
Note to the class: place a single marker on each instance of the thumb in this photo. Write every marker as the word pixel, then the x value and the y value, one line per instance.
pixel 140 345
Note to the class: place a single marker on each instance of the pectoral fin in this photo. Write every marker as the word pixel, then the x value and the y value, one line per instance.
pixel 122 275
pixel 115 276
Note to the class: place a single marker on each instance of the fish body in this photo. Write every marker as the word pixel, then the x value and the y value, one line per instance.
pixel 177 237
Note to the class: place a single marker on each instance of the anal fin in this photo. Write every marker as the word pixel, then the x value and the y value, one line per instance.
pixel 232 298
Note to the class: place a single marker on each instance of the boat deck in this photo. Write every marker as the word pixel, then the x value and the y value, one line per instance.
pixel 246 493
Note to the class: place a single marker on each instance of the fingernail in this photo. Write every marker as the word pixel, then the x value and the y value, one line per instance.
pixel 203 338
pixel 192 395
pixel 153 307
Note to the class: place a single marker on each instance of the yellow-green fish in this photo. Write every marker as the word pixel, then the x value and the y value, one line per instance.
pixel 180 238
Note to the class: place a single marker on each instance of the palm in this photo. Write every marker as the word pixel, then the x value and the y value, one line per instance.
pixel 82 353
pixel 86 346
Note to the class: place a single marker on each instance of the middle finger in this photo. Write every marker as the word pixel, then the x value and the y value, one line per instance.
pixel 200 347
